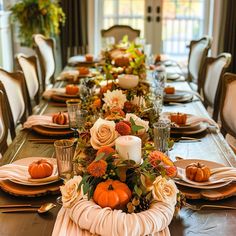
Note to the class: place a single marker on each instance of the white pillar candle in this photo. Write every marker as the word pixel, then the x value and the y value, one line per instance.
pixel 128 81
pixel 129 148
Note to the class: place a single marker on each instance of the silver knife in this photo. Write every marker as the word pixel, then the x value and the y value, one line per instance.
pixel 18 205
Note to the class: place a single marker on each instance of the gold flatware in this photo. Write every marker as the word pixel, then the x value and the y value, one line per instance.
pixel 42 209
pixel 18 205
pixel 198 208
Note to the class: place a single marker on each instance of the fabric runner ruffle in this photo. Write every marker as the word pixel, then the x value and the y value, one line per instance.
pixel 87 218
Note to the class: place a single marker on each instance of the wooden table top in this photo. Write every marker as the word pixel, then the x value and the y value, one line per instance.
pixel 212 147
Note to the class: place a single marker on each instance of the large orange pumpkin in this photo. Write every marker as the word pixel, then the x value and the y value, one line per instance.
pixel 112 193
pixel 40 169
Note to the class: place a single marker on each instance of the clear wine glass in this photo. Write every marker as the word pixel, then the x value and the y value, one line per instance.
pixel 64 151
pixel 82 116
pixel 73 107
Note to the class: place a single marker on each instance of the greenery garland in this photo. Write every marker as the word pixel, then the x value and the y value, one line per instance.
pixel 37 16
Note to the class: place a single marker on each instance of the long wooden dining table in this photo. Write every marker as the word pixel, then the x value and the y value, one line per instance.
pixel 212 147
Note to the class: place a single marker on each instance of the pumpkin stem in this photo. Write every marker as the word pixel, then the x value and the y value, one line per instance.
pixel 110 187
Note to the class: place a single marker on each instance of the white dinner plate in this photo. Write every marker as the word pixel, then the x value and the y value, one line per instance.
pixel 182 164
pixel 27 161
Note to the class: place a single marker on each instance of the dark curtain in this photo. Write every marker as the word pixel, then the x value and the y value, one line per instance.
pixel 74 34
pixel 230 33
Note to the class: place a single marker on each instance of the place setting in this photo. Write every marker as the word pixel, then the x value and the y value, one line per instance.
pixel 210 180
pixel 30 177
pixel 88 60
pixel 187 124
pixel 51 125
pixel 173 95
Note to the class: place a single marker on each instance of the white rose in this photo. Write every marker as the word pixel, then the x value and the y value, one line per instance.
pixel 103 133
pixel 138 121
pixel 164 190
pixel 71 192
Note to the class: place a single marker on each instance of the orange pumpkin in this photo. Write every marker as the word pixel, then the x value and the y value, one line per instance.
pixel 40 169
pixel 197 172
pixel 59 118
pixel 83 70
pixel 169 90
pixel 89 57
pixel 112 193
pixel 72 89
pixel 178 118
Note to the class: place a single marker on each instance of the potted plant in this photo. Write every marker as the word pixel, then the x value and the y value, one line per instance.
pixel 37 16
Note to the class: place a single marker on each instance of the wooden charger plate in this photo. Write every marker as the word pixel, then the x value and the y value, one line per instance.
pixel 209 194
pixel 30 191
pixel 45 131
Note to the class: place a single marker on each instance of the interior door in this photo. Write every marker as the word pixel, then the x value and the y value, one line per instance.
pixel 153 24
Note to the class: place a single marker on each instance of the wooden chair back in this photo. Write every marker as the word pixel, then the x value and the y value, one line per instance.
pixel 44 48
pixel 15 87
pixel 6 114
pixel 227 104
pixel 213 71
pixel 28 66
pixel 119 31
pixel 4 122
pixel 196 59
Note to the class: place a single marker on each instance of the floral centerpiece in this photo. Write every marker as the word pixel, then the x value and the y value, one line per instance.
pixel 109 186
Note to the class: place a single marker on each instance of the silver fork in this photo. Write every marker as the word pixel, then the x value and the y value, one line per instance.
pixel 198 208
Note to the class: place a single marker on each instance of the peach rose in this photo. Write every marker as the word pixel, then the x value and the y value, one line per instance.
pixel 71 191
pixel 103 133
pixel 164 190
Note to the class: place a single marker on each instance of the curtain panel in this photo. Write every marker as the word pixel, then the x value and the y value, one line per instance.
pixel 74 34
pixel 230 33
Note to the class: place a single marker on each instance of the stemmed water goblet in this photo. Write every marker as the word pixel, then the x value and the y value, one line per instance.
pixel 64 151
pixel 73 107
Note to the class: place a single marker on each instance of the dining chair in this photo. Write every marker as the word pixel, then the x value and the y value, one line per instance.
pixel 44 48
pixel 198 50
pixel 227 109
pixel 13 84
pixel 119 31
pixel 4 122
pixel 29 67
pixel 213 71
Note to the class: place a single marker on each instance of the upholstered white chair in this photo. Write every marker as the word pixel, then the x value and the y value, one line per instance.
pixel 198 50
pixel 212 83
pixel 29 67
pixel 119 31
pixel 44 48
pixel 227 109
pixel 14 86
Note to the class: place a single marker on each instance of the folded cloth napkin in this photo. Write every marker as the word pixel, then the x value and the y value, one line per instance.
pixel 86 218
pixel 218 175
pixel 193 119
pixel 40 120
pixel 20 173
pixel 54 91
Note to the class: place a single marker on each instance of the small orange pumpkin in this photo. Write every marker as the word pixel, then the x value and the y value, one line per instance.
pixel 59 118
pixel 169 90
pixel 178 118
pixel 40 169
pixel 197 172
pixel 72 89
pixel 112 193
